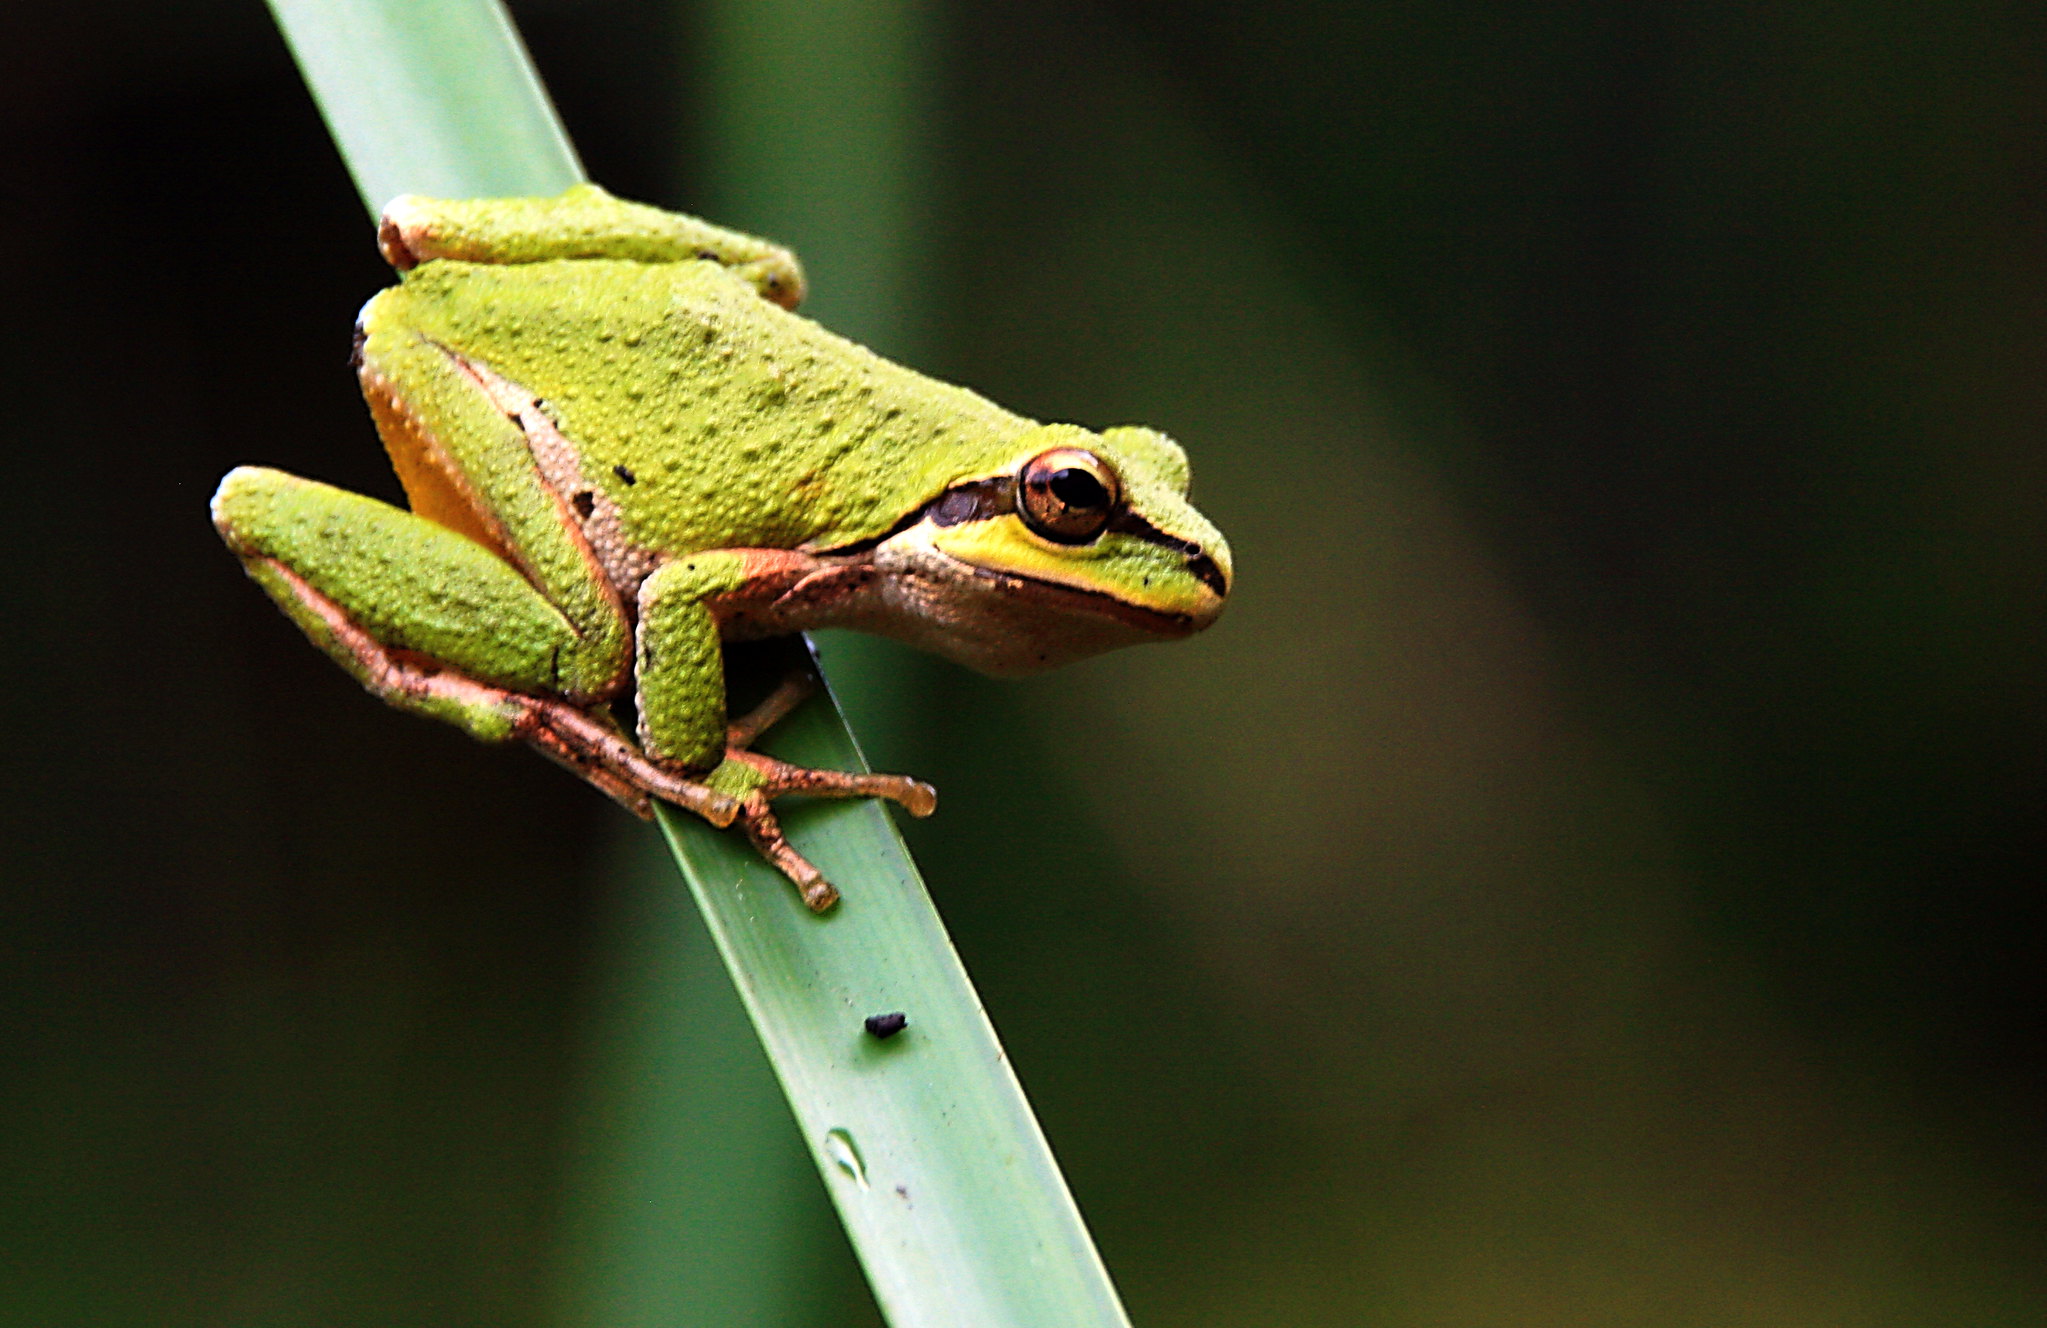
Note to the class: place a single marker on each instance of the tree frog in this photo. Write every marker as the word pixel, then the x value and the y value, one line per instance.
pixel 622 449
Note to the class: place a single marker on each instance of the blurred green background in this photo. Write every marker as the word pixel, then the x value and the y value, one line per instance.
pixel 1591 876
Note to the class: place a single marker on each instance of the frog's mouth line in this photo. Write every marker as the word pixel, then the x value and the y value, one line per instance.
pixel 1155 622
pixel 1018 587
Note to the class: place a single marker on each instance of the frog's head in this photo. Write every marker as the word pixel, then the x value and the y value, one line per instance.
pixel 1081 543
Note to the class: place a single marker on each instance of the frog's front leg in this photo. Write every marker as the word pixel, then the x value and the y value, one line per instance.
pixel 681 676
pixel 756 778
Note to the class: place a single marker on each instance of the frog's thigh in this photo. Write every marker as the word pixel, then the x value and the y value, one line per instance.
pixel 402 581
pixel 680 664
pixel 466 464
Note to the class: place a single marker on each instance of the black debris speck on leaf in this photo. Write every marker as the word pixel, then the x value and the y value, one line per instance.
pixel 887 1025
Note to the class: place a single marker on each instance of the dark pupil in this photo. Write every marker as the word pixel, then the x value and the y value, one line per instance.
pixel 1077 488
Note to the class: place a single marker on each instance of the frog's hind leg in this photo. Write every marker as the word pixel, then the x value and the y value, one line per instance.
pixel 429 621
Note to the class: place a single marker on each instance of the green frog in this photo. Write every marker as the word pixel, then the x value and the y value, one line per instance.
pixel 623 449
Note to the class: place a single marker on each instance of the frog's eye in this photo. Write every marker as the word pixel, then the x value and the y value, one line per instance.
pixel 1067 495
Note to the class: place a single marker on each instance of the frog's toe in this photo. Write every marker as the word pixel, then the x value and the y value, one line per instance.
pixel 774 778
pixel 914 796
pixel 757 819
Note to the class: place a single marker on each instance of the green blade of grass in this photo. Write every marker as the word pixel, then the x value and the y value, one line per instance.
pixel 926 1144
pixel 434 97
pixel 937 1166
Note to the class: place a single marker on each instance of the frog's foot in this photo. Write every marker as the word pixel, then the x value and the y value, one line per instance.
pixel 757 817
pixel 775 778
pixel 758 779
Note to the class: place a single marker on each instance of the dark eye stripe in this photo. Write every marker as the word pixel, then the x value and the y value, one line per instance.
pixel 979 501
pixel 984 500
pixel 1199 565
pixel 1130 523
pixel 1204 569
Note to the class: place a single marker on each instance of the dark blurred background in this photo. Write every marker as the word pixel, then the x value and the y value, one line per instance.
pixel 1591 876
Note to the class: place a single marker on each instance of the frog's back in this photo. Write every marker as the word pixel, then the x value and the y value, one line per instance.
pixel 711 417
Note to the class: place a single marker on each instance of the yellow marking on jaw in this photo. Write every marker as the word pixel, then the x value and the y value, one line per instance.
pixel 1125 567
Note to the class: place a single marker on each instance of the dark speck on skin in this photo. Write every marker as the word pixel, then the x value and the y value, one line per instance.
pixel 625 474
pixel 585 503
pixel 886 1026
